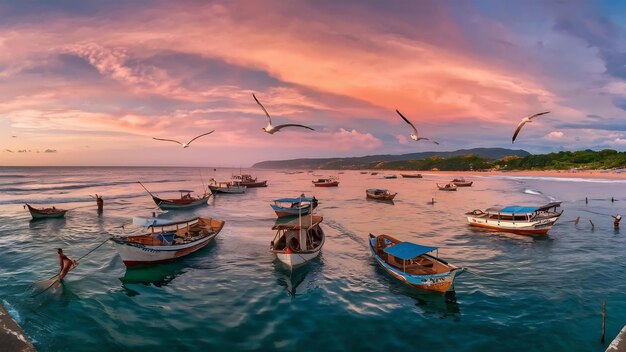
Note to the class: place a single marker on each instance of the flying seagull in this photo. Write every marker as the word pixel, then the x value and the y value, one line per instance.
pixel 523 122
pixel 185 145
pixel 414 134
pixel 273 129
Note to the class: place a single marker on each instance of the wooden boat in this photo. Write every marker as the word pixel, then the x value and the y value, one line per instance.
pixel 247 181
pixel 185 201
pixel 447 187
pixel 45 213
pixel 380 194
pixel 390 176
pixel 374 173
pixel 326 182
pixel 167 242
pixel 363 172
pixel 411 263
pixel 298 240
pixel 411 175
pixel 460 182
pixel 226 187
pixel 516 219
pixel 294 206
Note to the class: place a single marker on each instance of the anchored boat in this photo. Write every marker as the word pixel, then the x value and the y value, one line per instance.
pixel 411 175
pixel 298 240
pixel 226 187
pixel 167 242
pixel 411 263
pixel 185 201
pixel 294 206
pixel 247 181
pixel 326 182
pixel 460 182
pixel 516 219
pixel 447 187
pixel 45 213
pixel 390 176
pixel 380 194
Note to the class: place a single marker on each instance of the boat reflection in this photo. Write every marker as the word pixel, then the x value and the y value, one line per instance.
pixel 158 275
pixel 49 225
pixel 383 201
pixel 290 279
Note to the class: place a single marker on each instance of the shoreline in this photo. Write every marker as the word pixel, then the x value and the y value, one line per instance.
pixel 592 174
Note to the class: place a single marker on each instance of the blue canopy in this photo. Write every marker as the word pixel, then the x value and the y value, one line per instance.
pixel 408 250
pixel 294 200
pixel 518 210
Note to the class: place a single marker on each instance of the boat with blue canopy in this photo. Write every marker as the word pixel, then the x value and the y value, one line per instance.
pixel 294 206
pixel 522 220
pixel 412 264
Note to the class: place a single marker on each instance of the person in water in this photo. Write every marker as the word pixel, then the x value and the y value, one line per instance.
pixel 65 262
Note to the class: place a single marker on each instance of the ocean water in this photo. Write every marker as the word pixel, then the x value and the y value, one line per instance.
pixel 522 293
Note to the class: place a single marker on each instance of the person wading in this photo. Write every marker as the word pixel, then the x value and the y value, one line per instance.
pixel 65 262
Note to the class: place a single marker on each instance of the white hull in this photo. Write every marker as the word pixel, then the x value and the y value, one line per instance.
pixel 133 254
pixel 293 260
pixel 530 227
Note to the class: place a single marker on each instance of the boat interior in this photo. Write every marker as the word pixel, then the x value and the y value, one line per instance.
pixel 179 233
pixel 421 265
pixel 290 238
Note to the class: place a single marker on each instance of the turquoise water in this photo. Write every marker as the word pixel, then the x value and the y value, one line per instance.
pixel 539 294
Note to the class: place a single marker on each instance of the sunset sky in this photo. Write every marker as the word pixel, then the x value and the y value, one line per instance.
pixel 91 82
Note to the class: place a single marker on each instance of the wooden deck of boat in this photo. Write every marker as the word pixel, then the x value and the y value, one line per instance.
pixel 12 338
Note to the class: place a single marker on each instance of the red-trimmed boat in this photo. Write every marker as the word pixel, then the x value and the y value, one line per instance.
pixel 45 213
pixel 247 181
pixel 166 242
pixel 326 182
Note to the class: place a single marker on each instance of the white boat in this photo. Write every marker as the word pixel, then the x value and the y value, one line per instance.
pixel 226 187
pixel 167 242
pixel 516 219
pixel 298 240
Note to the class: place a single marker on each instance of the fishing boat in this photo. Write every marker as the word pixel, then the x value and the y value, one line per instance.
pixel 185 201
pixel 363 172
pixel 411 263
pixel 294 206
pixel 326 182
pixel 226 187
pixel 390 176
pixel 380 194
pixel 45 213
pixel 460 182
pixel 247 181
pixel 516 219
pixel 447 187
pixel 411 175
pixel 168 241
pixel 298 240
pixel 374 173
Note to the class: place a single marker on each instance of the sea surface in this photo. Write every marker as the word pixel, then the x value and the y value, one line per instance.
pixel 519 294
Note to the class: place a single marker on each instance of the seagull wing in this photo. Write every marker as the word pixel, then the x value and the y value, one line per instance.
pixel 519 128
pixel 167 140
pixel 279 127
pixel 407 121
pixel 428 139
pixel 538 114
pixel 204 134
pixel 262 107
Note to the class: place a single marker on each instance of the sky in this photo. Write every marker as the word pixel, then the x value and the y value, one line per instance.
pixel 91 82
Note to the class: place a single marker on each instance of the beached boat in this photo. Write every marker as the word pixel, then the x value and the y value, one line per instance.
pixel 447 187
pixel 247 181
pixel 460 182
pixel 226 187
pixel 294 206
pixel 298 239
pixel 380 194
pixel 167 242
pixel 516 219
pixel 45 213
pixel 411 175
pixel 185 201
pixel 326 182
pixel 411 263
pixel 390 176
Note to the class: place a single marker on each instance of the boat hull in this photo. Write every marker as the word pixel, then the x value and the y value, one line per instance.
pixel 411 176
pixel 283 212
pixel 540 227
pixel 174 204
pixel 443 282
pixel 134 254
pixel 294 260
pixel 463 184
pixel 326 184
pixel 253 184
pixel 381 197
pixel 36 214
pixel 227 190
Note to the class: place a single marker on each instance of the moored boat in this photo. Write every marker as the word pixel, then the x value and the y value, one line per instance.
pixel 185 201
pixel 294 206
pixel 447 187
pixel 390 176
pixel 326 182
pixel 411 263
pixel 45 213
pixel 374 173
pixel 363 172
pixel 247 181
pixel 380 194
pixel 298 240
pixel 226 187
pixel 516 219
pixel 460 182
pixel 168 241
pixel 411 175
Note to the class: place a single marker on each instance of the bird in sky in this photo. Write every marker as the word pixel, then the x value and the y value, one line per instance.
pixel 273 129
pixel 524 121
pixel 414 135
pixel 184 145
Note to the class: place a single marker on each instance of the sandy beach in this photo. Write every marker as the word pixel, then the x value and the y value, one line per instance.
pixel 600 174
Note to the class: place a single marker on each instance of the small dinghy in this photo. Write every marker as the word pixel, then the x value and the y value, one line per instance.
pixel 168 241
pixel 380 194
pixel 411 264
pixel 326 182
pixel 45 213
pixel 298 240
pixel 390 176
pixel 447 187
pixel 460 182
pixel 294 206
pixel 411 175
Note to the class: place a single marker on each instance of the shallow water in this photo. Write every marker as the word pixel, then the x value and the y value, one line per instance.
pixel 523 293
